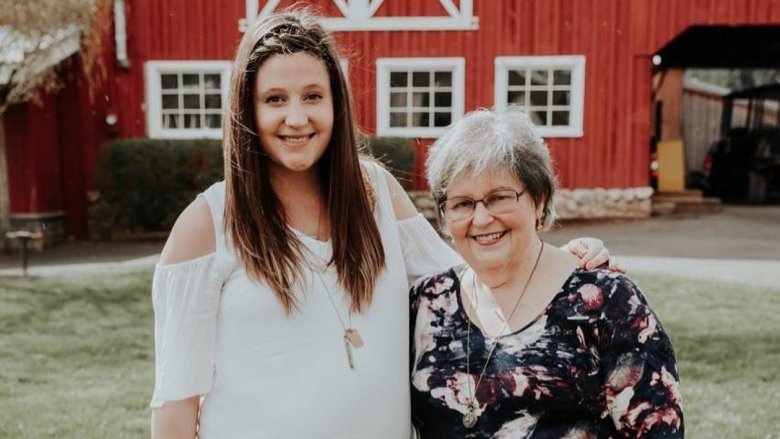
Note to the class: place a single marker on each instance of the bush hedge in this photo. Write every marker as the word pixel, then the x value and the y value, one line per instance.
pixel 396 153
pixel 144 184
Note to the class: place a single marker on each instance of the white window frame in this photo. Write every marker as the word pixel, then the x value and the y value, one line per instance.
pixel 576 63
pixel 153 72
pixel 384 66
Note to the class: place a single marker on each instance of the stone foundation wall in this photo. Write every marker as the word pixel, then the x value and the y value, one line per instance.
pixel 576 203
pixel 604 203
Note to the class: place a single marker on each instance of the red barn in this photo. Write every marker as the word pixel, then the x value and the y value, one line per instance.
pixel 584 70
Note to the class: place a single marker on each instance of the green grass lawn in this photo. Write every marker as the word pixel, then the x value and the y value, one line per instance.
pixel 76 356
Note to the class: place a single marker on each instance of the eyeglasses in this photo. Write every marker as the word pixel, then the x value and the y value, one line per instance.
pixel 498 202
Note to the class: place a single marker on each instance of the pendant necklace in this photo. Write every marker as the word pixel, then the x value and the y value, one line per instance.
pixel 470 418
pixel 352 338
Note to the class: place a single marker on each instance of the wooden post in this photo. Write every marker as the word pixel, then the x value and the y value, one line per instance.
pixel 671 149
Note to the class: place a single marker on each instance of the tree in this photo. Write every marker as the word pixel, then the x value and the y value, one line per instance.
pixel 36 36
pixel 736 79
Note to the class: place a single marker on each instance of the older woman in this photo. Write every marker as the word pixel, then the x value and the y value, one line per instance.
pixel 520 342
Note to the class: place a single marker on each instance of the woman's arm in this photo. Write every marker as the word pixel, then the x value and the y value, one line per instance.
pixel 176 419
pixel 192 237
pixel 641 380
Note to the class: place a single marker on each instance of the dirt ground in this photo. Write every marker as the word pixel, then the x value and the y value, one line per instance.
pixel 738 232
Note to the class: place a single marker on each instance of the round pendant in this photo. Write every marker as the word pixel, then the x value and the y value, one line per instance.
pixel 470 419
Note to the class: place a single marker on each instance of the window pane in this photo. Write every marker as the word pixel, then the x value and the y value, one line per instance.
pixel 191 121
pixel 561 97
pixel 517 77
pixel 516 98
pixel 398 79
pixel 420 119
pixel 170 102
pixel 442 99
pixel 539 77
pixel 420 99
pixel 170 121
pixel 560 118
pixel 562 77
pixel 212 81
pixel 443 79
pixel 213 101
pixel 169 81
pixel 539 97
pixel 539 117
pixel 190 80
pixel 213 120
pixel 397 119
pixel 398 100
pixel 191 101
pixel 421 79
pixel 442 119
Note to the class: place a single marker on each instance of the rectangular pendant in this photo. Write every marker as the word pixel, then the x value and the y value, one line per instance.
pixel 354 338
pixel 348 347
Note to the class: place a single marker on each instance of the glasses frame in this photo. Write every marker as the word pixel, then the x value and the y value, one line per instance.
pixel 442 203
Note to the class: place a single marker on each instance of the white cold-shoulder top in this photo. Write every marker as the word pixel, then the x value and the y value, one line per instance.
pixel 264 374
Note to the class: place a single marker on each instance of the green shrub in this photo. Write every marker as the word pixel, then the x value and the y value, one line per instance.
pixel 396 153
pixel 145 183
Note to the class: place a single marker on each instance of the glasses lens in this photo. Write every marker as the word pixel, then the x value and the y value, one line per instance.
pixel 458 208
pixel 501 201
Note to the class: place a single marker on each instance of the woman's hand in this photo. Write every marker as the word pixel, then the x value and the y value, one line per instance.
pixel 592 254
pixel 176 419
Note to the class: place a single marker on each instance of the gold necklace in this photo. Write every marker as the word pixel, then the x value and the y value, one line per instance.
pixel 470 418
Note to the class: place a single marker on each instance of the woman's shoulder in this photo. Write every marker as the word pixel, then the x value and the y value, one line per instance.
pixel 602 288
pixel 192 236
pixel 437 284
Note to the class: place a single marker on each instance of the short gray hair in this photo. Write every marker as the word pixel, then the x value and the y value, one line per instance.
pixel 485 140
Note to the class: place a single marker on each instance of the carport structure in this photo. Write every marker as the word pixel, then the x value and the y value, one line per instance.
pixel 743 44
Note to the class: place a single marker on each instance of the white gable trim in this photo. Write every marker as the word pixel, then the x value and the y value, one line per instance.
pixel 358 15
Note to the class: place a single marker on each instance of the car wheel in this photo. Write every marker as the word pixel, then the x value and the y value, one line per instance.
pixel 756 188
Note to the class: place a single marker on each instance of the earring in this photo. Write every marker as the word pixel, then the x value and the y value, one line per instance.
pixel 538 225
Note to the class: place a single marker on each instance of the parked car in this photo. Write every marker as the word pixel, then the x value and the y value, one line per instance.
pixel 744 164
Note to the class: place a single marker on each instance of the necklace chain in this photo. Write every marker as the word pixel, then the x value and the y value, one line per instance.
pixel 470 418
pixel 351 337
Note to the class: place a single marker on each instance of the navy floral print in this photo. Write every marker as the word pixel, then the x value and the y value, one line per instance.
pixel 596 363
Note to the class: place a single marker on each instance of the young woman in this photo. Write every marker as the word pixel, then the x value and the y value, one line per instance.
pixel 520 342
pixel 279 298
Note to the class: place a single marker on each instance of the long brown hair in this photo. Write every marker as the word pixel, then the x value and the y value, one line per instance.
pixel 254 215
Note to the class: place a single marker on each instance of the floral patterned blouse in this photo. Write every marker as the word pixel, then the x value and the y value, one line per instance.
pixel 596 363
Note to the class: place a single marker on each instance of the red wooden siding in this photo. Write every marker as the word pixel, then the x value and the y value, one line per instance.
pixel 617 38
pixel 33 156
pixel 59 145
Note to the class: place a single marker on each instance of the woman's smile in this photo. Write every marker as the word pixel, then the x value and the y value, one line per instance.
pixel 488 239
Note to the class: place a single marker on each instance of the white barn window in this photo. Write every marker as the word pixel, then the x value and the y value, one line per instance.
pixel 186 99
pixel 419 97
pixel 550 88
